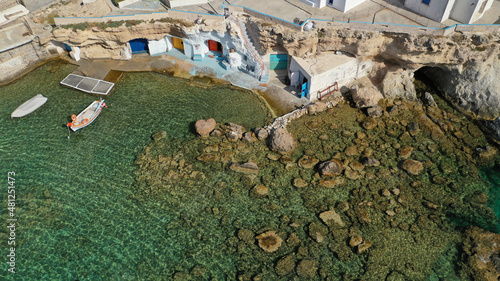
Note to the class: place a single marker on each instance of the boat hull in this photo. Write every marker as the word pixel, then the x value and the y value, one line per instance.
pixel 87 116
pixel 29 106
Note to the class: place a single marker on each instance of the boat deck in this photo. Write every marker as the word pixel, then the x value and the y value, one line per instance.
pixel 88 84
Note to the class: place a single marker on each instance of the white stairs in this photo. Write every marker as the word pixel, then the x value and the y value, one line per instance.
pixel 260 67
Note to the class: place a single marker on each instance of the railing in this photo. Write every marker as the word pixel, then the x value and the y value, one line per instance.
pixel 328 91
pixel 250 47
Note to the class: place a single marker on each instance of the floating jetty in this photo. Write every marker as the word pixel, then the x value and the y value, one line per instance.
pixel 87 84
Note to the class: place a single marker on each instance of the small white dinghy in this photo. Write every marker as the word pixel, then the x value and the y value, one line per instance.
pixel 29 106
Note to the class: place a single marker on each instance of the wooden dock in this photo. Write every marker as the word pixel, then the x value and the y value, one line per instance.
pixel 88 84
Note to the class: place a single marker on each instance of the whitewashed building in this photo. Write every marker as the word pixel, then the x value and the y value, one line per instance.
pixel 341 5
pixel 315 74
pixel 179 3
pixel 464 11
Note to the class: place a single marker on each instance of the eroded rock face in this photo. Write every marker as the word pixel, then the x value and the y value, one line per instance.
pixel 473 87
pixel 282 141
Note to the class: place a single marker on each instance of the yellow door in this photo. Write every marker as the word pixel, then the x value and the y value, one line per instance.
pixel 178 43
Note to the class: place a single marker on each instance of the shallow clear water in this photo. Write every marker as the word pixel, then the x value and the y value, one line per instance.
pixel 493 176
pixel 75 207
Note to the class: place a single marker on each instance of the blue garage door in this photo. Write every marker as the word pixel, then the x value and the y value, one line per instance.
pixel 278 61
pixel 139 46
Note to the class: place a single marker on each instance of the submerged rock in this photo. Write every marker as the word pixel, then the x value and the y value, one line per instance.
pixel 234 131
pixel 331 168
pixel 413 167
pixel 158 136
pixel 331 217
pixel 269 241
pixel 307 268
pixel 483 250
pixel 282 141
pixel 285 265
pixel 260 191
pixel 369 123
pixel 205 127
pixel 307 162
pixel 245 168
pixel 370 162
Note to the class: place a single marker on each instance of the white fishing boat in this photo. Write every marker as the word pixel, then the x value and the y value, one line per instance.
pixel 29 106
pixel 87 116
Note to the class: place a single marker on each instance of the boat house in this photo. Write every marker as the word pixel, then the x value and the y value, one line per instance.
pixel 312 76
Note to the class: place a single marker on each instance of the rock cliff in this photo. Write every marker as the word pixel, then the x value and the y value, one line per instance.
pixel 463 66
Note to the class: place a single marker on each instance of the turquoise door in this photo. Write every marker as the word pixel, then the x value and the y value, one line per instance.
pixel 304 90
pixel 278 61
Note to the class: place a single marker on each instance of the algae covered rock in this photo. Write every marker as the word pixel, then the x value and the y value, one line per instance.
pixel 282 141
pixel 269 241
pixel 307 268
pixel 285 265
pixel 483 250
pixel 245 168
pixel 413 167
pixel 331 168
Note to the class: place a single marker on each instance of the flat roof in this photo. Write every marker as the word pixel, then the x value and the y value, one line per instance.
pixel 322 63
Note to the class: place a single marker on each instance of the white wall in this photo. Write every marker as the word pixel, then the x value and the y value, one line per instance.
pixel 157 47
pixel 351 4
pixel 126 3
pixel 188 48
pixel 345 5
pixel 178 3
pixel 478 15
pixel 315 3
pixel 463 10
pixel 343 74
pixel 437 10
pixel 466 11
pixel 339 5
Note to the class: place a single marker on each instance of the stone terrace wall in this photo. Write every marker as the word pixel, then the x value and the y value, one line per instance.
pixel 173 14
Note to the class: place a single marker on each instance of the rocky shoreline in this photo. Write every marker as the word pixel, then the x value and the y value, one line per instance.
pixel 337 194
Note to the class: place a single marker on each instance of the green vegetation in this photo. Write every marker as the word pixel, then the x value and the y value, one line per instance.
pixel 50 19
pixel 321 33
pixel 101 25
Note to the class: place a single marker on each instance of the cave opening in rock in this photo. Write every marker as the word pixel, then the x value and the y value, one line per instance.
pixel 427 82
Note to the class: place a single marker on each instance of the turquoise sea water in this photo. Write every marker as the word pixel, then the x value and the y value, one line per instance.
pixel 77 218
pixel 493 176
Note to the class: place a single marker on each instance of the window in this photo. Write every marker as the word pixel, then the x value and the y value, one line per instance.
pixel 426 2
